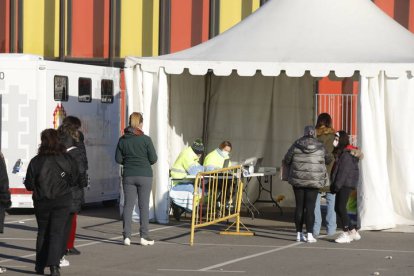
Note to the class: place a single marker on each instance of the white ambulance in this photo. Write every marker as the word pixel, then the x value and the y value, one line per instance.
pixel 36 94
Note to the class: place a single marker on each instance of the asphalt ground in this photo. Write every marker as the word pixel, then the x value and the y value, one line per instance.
pixel 271 251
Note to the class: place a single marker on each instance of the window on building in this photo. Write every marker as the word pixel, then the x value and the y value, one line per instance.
pixel 61 86
pixel 85 90
pixel 107 91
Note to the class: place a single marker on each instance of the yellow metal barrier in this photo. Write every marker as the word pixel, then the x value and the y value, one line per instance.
pixel 217 197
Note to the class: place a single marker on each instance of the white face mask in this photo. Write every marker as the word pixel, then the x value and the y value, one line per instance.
pixel 225 153
pixel 335 143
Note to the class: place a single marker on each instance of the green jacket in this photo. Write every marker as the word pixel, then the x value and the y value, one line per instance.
pixel 136 153
pixel 327 135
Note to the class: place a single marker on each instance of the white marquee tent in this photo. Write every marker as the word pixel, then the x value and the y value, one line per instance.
pixel 254 85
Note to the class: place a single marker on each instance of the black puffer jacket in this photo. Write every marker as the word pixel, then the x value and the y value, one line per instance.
pixel 345 172
pixel 44 177
pixel 306 160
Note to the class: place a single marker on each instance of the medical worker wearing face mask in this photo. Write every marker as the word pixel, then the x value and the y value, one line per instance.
pixel 215 159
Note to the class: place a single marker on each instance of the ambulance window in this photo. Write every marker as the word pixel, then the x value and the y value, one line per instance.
pixel 85 90
pixel 107 91
pixel 61 88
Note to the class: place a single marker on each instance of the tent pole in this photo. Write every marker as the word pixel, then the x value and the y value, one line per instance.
pixel 207 92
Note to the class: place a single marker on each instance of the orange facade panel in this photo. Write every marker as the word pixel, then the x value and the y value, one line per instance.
pixel 89 29
pixel 189 23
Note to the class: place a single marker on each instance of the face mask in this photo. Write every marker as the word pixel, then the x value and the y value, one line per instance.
pixel 225 153
pixel 335 143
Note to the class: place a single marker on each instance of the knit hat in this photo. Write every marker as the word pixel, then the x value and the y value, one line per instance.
pixel 309 131
pixel 198 146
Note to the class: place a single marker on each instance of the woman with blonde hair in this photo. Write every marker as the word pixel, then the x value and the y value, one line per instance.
pixel 136 152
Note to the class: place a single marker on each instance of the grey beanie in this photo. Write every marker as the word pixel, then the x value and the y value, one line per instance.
pixel 309 131
pixel 198 146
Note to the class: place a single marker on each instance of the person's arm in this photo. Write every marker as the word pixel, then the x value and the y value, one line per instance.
pixel 287 160
pixel 119 158
pixel 29 181
pixel 195 169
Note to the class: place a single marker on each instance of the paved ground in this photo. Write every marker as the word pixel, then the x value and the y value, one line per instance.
pixel 272 251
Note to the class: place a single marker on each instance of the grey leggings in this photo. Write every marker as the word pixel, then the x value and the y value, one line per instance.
pixel 136 187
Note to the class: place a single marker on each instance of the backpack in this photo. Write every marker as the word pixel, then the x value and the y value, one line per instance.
pixel 54 181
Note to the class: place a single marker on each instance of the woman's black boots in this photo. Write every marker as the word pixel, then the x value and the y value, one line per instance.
pixel 54 270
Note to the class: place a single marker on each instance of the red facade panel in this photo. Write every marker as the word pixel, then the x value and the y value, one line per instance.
pixel 189 23
pixel 89 28
pixel 4 26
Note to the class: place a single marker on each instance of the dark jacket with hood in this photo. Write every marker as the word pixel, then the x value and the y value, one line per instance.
pixel 306 159
pixel 136 152
pixel 51 176
pixel 327 135
pixel 345 172
pixel 76 150
pixel 5 201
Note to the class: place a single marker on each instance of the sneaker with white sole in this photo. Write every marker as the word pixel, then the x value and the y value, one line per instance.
pixel 64 262
pixel 147 241
pixel 300 237
pixel 2 269
pixel 310 238
pixel 355 235
pixel 344 237
pixel 127 241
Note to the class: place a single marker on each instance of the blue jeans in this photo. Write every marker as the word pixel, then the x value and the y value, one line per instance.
pixel 330 215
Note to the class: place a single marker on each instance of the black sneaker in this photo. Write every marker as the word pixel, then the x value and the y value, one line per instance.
pixel 72 251
pixel 177 211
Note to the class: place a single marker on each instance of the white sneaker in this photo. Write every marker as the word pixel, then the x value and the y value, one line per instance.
pixel 64 262
pixel 300 237
pixel 310 238
pixel 2 269
pixel 127 241
pixel 344 238
pixel 147 241
pixel 355 235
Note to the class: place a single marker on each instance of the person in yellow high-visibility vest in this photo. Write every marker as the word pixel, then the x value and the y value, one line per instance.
pixel 216 159
pixel 187 163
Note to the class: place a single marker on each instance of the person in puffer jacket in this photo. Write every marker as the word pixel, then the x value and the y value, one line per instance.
pixel 306 160
pixel 344 179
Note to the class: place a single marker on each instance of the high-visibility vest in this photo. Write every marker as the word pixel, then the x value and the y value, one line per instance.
pixel 185 160
pixel 215 160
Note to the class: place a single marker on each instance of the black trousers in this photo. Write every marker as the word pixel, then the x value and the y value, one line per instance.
pixel 341 200
pixel 2 216
pixel 52 216
pixel 66 233
pixel 305 208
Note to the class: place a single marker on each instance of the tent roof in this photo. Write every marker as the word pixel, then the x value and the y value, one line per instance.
pixel 319 36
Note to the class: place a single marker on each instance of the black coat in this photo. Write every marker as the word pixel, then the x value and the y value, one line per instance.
pixel 4 184
pixel 4 192
pixel 44 177
pixel 77 189
pixel 345 172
